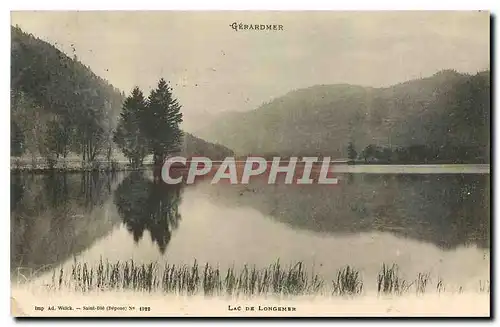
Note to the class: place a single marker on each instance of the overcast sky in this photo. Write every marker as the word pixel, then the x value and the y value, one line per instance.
pixel 213 68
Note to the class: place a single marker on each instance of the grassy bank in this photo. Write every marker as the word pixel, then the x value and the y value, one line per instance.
pixel 71 165
pixel 247 281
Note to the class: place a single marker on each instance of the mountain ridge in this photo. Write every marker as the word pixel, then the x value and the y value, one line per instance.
pixel 325 118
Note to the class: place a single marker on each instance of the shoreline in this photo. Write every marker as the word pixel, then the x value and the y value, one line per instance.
pixel 338 168
pixel 75 170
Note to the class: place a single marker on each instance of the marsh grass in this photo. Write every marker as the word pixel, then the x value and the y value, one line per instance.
pixel 27 274
pixel 194 279
pixel 423 279
pixel 440 286
pixel 247 281
pixel 484 286
pixel 348 282
pixel 389 281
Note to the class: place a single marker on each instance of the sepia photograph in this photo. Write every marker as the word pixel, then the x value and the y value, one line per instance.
pixel 250 163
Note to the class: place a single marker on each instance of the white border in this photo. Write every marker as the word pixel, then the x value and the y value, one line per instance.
pixel 189 5
pixel 254 5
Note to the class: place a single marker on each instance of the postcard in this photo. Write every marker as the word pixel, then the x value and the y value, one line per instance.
pixel 250 164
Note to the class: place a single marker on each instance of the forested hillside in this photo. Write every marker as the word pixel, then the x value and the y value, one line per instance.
pixel 194 146
pixel 58 104
pixel 445 117
pixel 60 107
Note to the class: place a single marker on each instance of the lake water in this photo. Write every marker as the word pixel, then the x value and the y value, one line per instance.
pixel 424 222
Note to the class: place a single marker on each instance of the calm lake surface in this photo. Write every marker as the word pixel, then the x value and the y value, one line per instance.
pixel 424 222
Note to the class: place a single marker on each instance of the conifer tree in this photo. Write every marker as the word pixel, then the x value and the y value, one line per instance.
pixel 161 122
pixel 128 135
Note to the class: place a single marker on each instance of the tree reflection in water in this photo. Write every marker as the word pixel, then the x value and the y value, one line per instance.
pixel 57 215
pixel 147 205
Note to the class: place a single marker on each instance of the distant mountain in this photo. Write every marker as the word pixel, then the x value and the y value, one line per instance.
pixel 194 146
pixel 445 111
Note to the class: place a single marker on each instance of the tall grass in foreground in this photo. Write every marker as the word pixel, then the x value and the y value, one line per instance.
pixel 348 282
pixel 389 281
pixel 189 280
pixel 247 281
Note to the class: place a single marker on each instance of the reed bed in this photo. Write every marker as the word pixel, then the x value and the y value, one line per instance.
pixel 248 281
pixel 348 282
pixel 389 281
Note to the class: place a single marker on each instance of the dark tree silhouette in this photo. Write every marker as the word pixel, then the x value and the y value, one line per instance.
pixel 161 122
pixel 129 136
pixel 351 151
pixel 146 205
